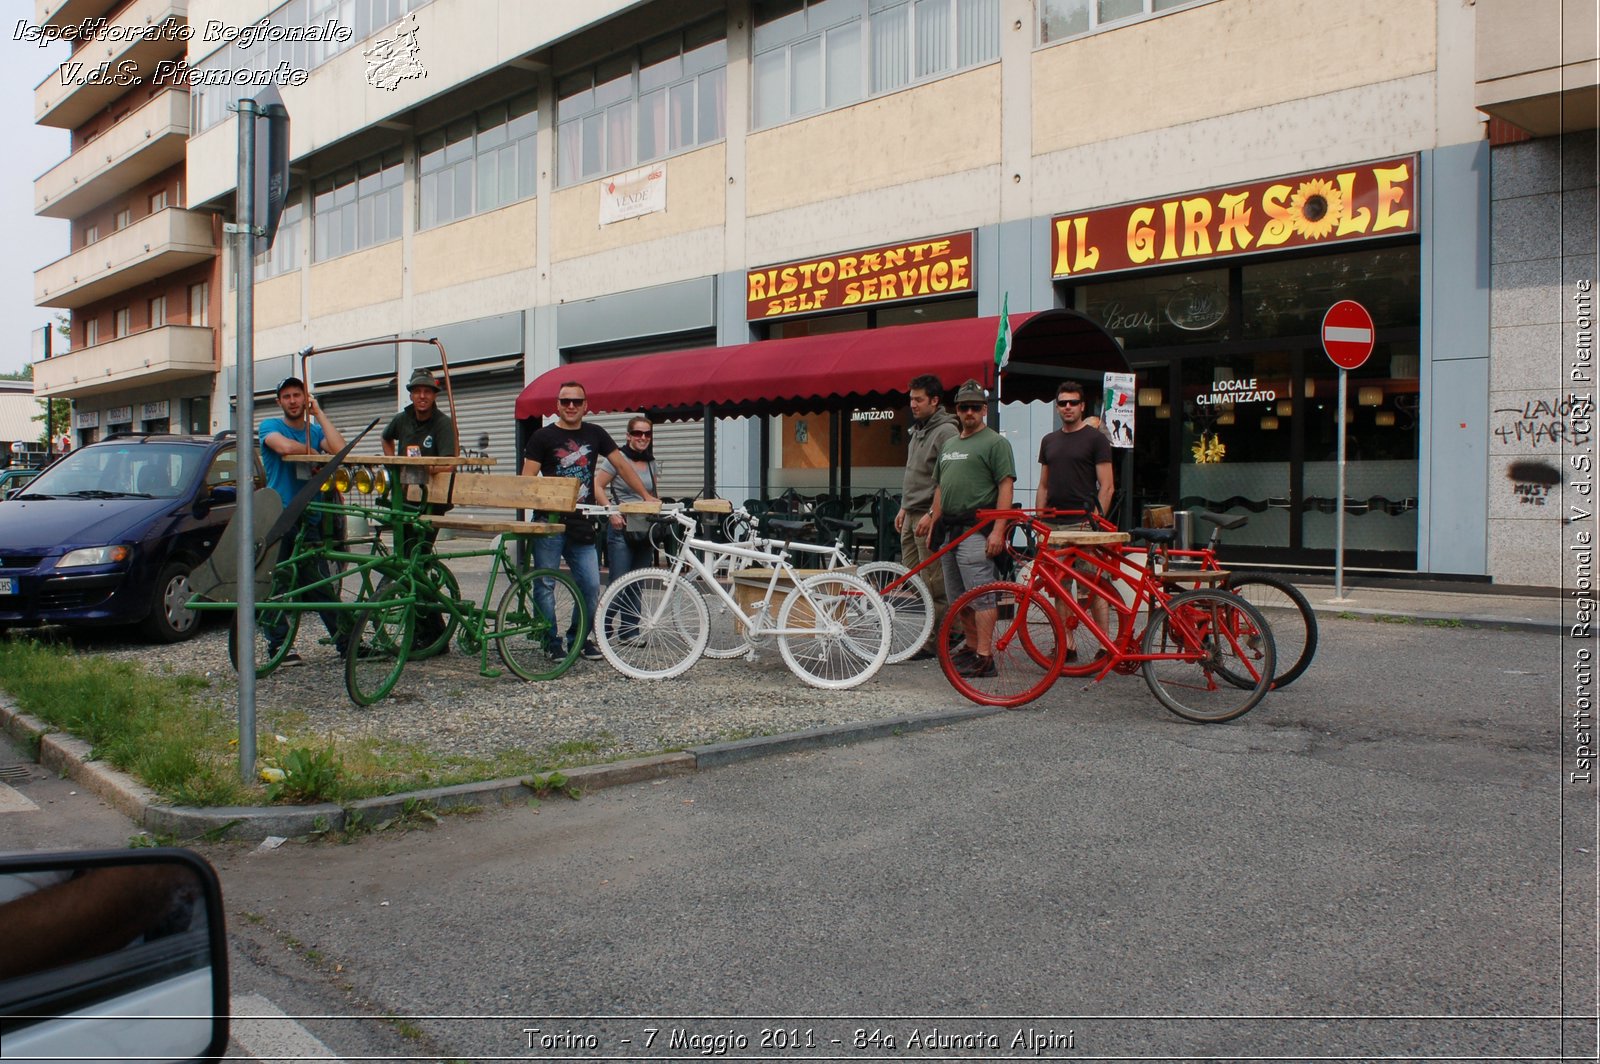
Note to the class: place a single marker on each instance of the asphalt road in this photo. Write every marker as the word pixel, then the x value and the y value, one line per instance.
pixel 1370 864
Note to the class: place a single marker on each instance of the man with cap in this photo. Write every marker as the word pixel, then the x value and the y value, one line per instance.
pixel 421 430
pixel 303 429
pixel 976 471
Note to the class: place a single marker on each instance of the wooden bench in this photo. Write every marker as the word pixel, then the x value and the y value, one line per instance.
pixel 559 494
pixel 1072 537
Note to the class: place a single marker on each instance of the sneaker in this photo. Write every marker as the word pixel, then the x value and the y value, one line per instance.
pixel 981 666
pixel 961 657
pixel 291 658
pixel 555 649
pixel 590 652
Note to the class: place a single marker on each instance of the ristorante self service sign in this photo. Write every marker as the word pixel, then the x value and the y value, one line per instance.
pixel 1306 210
pixel 918 269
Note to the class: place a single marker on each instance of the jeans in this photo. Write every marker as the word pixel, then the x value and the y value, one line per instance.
pixel 622 560
pixel 583 561
pixel 304 537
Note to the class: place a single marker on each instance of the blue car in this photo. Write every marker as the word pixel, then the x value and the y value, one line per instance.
pixel 110 532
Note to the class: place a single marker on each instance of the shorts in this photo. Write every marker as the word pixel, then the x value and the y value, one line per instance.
pixel 969 566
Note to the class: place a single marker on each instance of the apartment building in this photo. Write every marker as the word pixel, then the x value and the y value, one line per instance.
pixel 550 187
pixel 140 277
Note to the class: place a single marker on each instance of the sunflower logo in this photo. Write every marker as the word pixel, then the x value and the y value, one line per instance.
pixel 1315 208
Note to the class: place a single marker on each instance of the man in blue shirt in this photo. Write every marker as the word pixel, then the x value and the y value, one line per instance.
pixel 303 429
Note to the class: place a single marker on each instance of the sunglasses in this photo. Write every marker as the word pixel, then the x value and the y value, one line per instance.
pixel 647 433
pixel 1069 402
pixel 572 402
pixel 969 408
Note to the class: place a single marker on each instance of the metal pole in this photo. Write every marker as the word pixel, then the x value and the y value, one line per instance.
pixel 244 436
pixel 1338 543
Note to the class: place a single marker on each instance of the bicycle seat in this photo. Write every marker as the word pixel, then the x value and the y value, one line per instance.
pixel 1154 535
pixel 838 524
pixel 1226 523
pixel 781 525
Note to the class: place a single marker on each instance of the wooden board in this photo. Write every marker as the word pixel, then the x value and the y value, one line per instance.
pixel 713 506
pixel 395 460
pixel 1192 576
pixel 639 507
pixel 750 587
pixel 513 492
pixel 494 526
pixel 1072 537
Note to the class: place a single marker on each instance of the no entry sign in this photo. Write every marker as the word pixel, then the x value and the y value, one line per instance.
pixel 1347 334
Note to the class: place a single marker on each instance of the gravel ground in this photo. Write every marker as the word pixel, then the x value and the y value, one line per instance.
pixel 445 705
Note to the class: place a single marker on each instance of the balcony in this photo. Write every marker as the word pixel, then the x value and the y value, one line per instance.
pixel 150 248
pixel 66 104
pixel 62 12
pixel 154 356
pixel 137 148
pixel 1537 64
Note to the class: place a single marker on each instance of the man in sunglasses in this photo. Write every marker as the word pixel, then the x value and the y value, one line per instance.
pixel 976 471
pixel 573 448
pixel 1075 474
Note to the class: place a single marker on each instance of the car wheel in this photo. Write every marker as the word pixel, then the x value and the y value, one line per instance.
pixel 170 620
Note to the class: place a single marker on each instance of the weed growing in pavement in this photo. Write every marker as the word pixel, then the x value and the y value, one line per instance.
pixel 1389 618
pixel 543 786
pixel 303 776
pixel 1444 622
pixel 1346 615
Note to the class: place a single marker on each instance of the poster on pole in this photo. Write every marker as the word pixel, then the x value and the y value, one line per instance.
pixel 1117 414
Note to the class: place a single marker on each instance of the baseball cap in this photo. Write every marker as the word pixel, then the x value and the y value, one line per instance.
pixel 287 381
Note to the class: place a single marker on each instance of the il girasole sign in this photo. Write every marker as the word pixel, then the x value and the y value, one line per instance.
pixel 1324 207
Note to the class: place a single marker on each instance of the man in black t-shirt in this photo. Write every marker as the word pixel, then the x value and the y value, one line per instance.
pixel 572 448
pixel 1075 474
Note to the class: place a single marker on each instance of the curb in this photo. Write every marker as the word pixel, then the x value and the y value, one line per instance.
pixel 74 758
pixel 1465 620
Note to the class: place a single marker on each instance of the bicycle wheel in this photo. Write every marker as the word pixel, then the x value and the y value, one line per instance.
pixel 847 637
pixel 1213 674
pixel 726 636
pixel 436 624
pixel 1026 629
pixel 380 642
pixel 528 624
pixel 1293 621
pixel 910 607
pixel 652 625
pixel 267 657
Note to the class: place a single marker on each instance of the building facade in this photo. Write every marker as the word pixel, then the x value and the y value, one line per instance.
pixel 140 278
pixel 540 185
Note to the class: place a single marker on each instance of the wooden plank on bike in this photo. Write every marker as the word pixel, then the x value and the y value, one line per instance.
pixel 1192 576
pixel 494 526
pixel 511 492
pixel 1074 537
pixel 713 506
pixel 639 507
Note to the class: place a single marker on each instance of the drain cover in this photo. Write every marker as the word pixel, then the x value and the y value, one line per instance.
pixel 15 774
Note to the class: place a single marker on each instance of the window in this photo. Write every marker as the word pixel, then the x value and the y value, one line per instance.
pixel 479 163
pixel 200 303
pixel 124 218
pixel 158 312
pixel 358 208
pixel 91 332
pixel 816 55
pixel 91 235
pixel 122 324
pixel 667 96
pixel 1060 19
pixel 158 201
pixel 284 255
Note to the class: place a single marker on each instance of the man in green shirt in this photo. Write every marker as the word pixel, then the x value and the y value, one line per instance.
pixel 976 471
pixel 420 430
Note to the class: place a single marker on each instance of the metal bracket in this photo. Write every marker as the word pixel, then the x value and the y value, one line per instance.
pixel 235 228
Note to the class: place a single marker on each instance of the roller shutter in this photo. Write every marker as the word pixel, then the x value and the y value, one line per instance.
pixel 484 418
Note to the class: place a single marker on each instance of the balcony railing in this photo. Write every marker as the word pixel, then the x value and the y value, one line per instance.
pixel 59 100
pixel 149 357
pixel 137 148
pixel 152 247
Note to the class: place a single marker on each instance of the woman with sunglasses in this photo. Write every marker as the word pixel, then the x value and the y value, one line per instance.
pixel 628 538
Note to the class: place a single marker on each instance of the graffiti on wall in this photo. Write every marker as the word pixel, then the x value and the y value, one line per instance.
pixel 1532 483
pixel 1539 423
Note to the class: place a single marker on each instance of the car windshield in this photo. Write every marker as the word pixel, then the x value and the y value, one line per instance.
pixel 121 470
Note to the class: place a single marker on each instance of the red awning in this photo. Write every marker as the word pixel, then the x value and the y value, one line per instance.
pixel 810 373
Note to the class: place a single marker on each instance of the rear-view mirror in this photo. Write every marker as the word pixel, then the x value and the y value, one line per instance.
pixel 118 954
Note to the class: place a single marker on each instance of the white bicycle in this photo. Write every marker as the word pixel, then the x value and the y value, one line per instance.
pixel 831 627
pixel 907 598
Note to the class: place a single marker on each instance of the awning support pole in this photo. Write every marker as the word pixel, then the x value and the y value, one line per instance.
pixel 708 489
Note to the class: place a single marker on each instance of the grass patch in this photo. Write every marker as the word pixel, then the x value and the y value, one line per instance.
pixel 1390 618
pixel 154 727
pixel 169 731
pixel 1443 622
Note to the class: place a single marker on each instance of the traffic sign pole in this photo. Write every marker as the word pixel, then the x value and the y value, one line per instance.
pixel 1347 336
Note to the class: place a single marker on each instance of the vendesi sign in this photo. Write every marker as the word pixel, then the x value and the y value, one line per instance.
pixel 893 273
pixel 633 194
pixel 1304 210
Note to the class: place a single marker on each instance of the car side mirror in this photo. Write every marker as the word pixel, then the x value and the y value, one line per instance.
pixel 223 494
pixel 112 954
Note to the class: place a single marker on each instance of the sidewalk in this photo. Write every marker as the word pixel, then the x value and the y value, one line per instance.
pixel 1477 605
